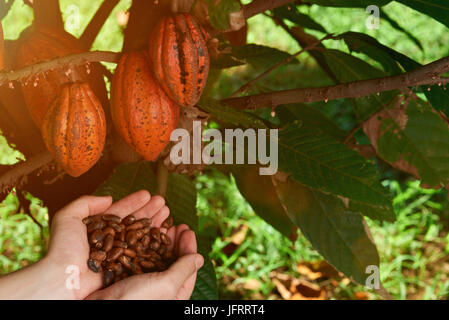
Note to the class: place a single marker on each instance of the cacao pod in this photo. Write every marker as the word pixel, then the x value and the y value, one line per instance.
pixel 74 128
pixel 142 112
pixel 178 51
pixel 2 49
pixel 37 46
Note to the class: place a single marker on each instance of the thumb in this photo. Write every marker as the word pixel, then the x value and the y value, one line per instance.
pixel 183 269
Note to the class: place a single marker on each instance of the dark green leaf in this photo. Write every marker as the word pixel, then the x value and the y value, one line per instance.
pixel 322 163
pixel 437 9
pixel 348 68
pixel 292 14
pixel 260 56
pixel 310 117
pixel 359 42
pixel 338 234
pixel 261 195
pixel 230 115
pixel 423 143
pixel 206 284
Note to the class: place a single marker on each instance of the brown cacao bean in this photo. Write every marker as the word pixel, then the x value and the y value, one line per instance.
pixel 98 255
pixel 130 253
pixel 125 261
pixel 96 225
pixel 168 223
pixel 129 220
pixel 120 244
pixel 165 239
pixel 117 227
pixel 96 236
pixel 131 238
pixel 114 254
pixel 108 230
pixel 94 265
pixel 155 234
pixel 108 243
pixel 108 278
pixel 111 217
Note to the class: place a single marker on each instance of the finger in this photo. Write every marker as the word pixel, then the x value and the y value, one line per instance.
pixel 130 204
pixel 150 209
pixel 186 243
pixel 171 233
pixel 185 292
pixel 160 216
pixel 86 206
pixel 182 270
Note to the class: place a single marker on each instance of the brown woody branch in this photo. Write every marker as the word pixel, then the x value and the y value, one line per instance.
pixel 23 169
pixel 260 6
pixel 64 62
pixel 91 32
pixel 429 74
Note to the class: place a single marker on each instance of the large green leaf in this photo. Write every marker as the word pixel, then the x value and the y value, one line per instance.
pixel 350 3
pixel 423 143
pixel 348 68
pixel 223 113
pixel 261 57
pixel 180 198
pixel 310 116
pixel 437 9
pixel 292 14
pixel 322 163
pixel 359 42
pixel 206 283
pixel 260 193
pixel 338 234
pixel 220 10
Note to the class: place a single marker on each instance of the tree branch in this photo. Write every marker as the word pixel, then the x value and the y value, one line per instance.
pixel 68 61
pixel 260 6
pixel 14 176
pixel 426 75
pixel 91 32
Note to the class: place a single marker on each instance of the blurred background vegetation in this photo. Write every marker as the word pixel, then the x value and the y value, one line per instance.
pixel 253 260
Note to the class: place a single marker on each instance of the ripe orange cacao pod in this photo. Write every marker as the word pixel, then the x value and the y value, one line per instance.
pixel 142 112
pixel 178 51
pixel 74 128
pixel 37 46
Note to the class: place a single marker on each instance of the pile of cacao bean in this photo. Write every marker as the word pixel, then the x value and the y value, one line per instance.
pixel 122 248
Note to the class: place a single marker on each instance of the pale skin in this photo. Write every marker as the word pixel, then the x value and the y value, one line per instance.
pixel 47 278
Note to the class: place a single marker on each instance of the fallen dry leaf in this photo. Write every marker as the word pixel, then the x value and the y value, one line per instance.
pixel 307 272
pixel 252 284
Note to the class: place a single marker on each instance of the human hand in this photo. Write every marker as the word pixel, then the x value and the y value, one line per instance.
pixel 69 245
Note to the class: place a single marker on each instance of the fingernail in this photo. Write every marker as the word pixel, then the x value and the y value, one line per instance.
pixel 199 262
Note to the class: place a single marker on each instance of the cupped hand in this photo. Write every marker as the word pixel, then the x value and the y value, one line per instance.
pixel 69 246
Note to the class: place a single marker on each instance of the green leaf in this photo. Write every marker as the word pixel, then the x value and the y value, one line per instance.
pixel 292 14
pixel 350 3
pixel 261 195
pixel 261 57
pixel 223 113
pixel 206 283
pixel 338 234
pixel 437 9
pixel 226 61
pixel 423 143
pixel 310 116
pixel 180 198
pixel 219 12
pixel 348 68
pixel 322 163
pixel 398 27
pixel 359 42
